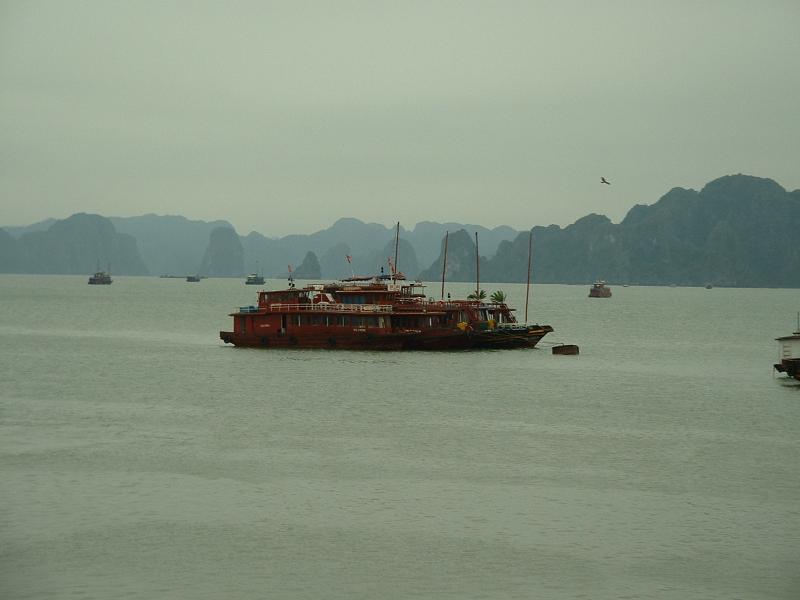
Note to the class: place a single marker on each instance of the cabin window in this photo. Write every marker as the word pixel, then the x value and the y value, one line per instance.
pixel 296 320
pixel 242 325
pixel 405 321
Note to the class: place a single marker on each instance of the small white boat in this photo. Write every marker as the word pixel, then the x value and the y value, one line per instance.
pixel 789 353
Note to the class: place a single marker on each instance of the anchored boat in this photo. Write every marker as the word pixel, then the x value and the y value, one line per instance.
pixel 382 312
pixel 256 278
pixel 600 290
pixel 789 357
pixel 101 277
pixel 377 314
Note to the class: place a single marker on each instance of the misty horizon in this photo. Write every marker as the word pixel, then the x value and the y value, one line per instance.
pixel 410 228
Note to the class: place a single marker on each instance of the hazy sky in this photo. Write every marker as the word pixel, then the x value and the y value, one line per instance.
pixel 282 117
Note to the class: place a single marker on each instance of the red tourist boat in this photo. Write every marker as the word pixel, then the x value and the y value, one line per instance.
pixel 383 312
pixel 376 313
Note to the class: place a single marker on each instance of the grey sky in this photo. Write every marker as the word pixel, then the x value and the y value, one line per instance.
pixel 282 117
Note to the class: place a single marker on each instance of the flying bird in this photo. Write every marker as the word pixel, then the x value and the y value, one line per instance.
pixel 603 180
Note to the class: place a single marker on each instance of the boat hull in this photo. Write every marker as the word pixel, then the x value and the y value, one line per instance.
pixel 601 293
pixel 790 366
pixel 395 340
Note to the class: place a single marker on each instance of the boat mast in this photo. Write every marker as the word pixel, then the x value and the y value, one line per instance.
pixel 477 270
pixel 444 260
pixel 396 245
pixel 528 284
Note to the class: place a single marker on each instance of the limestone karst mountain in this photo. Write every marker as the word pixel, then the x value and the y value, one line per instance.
pixel 224 256
pixel 739 230
pixel 75 245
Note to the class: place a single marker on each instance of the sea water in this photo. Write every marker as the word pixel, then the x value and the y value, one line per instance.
pixel 142 458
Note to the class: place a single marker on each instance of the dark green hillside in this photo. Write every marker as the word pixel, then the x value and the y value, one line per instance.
pixel 737 231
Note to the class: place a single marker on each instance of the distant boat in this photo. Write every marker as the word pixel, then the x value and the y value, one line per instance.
pixel 600 290
pixel 193 278
pixel 709 286
pixel 100 278
pixel 254 279
pixel 789 357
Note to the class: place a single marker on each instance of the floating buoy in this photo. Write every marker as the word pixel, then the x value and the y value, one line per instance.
pixel 567 349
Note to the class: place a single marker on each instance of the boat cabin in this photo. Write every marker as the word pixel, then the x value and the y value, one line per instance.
pixel 789 346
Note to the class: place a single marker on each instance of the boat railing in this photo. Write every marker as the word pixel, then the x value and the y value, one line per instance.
pixel 402 305
pixel 431 304
pixel 330 307
pixel 516 326
pixel 425 306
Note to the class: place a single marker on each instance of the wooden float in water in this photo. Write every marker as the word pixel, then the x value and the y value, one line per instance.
pixel 566 349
